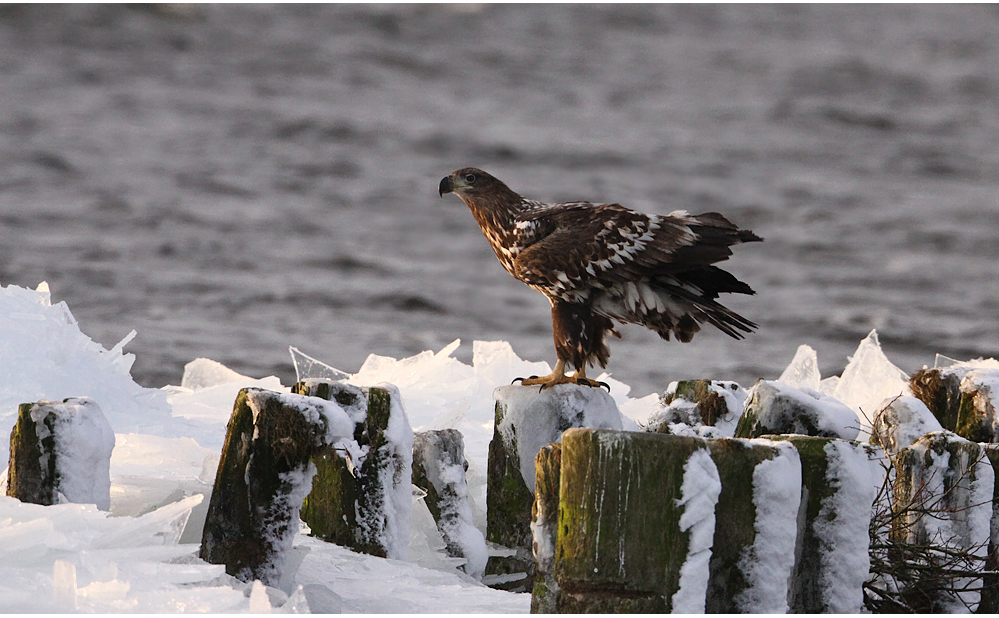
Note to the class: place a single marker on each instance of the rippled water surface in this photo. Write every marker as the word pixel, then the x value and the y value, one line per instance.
pixel 231 180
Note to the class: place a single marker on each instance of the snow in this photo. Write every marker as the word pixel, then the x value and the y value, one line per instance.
pixel 780 405
pixel 843 523
pixel 900 421
pixel 682 417
pixel 776 498
pixel 142 555
pixel 83 441
pixel 534 419
pixel 699 493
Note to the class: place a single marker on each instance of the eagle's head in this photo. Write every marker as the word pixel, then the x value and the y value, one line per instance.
pixel 473 185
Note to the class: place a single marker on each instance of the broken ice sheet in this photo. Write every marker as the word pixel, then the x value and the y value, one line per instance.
pixel 803 370
pixel 307 367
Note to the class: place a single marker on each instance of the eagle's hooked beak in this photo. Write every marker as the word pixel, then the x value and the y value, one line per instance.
pixel 446 186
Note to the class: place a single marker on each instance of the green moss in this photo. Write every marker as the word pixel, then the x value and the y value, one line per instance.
pixel 26 479
pixel 618 517
pixel 735 520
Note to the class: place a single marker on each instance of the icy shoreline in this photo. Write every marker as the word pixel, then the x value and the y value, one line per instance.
pixel 143 556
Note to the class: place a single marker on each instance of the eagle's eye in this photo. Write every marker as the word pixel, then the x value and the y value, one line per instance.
pixel 469 178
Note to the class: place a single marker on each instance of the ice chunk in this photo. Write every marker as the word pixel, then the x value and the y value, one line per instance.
pixel 900 421
pixel 803 370
pixel 699 495
pixel 204 373
pixel 868 379
pixel 308 368
pixel 43 355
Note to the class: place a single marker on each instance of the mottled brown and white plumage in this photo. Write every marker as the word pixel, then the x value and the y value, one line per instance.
pixel 601 263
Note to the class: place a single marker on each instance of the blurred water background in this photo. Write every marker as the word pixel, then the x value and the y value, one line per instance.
pixel 230 180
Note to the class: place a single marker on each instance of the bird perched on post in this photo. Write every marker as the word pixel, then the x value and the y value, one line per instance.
pixel 600 263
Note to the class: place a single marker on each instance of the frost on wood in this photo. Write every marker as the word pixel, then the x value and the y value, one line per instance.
pixel 544 528
pixel 439 469
pixel 776 408
pixel 754 535
pixel 361 495
pixel 838 486
pixel 61 452
pixel 525 421
pixel 901 421
pixel 705 408
pixel 264 474
pixel 636 515
pixel 943 497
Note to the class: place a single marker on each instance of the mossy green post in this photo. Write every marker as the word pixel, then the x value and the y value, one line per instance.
pixel 544 524
pixel 619 545
pixel 941 392
pixel 770 412
pixel 346 500
pixel 27 479
pixel 329 508
pixel 508 511
pixel 990 583
pixel 249 506
pixel 710 404
pixel 735 517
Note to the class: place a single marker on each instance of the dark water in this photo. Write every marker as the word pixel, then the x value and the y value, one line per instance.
pixel 232 180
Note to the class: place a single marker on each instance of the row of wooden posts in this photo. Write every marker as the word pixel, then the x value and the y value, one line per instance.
pixel 604 528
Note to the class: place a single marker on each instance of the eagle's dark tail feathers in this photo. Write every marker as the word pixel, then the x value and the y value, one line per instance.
pixel 700 288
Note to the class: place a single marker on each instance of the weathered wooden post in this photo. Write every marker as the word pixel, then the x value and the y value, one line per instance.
pixel 636 521
pixel 990 583
pixel 962 399
pixel 264 474
pixel 839 482
pixel 439 469
pixel 525 421
pixel 544 526
pixel 752 553
pixel 361 494
pixel 700 404
pixel 774 408
pixel 943 496
pixel 61 451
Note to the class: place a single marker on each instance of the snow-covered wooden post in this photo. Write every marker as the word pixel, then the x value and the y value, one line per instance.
pixel 990 583
pixel 752 552
pixel 839 482
pixel 700 404
pixel 61 452
pixel 264 474
pixel 963 399
pixel 439 469
pixel 544 527
pixel 525 421
pixel 361 496
pixel 636 521
pixel 774 408
pixel 944 492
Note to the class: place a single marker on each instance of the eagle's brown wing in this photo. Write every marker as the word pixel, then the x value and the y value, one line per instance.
pixel 636 268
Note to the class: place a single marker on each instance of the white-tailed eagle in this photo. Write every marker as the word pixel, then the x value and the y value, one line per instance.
pixel 600 263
